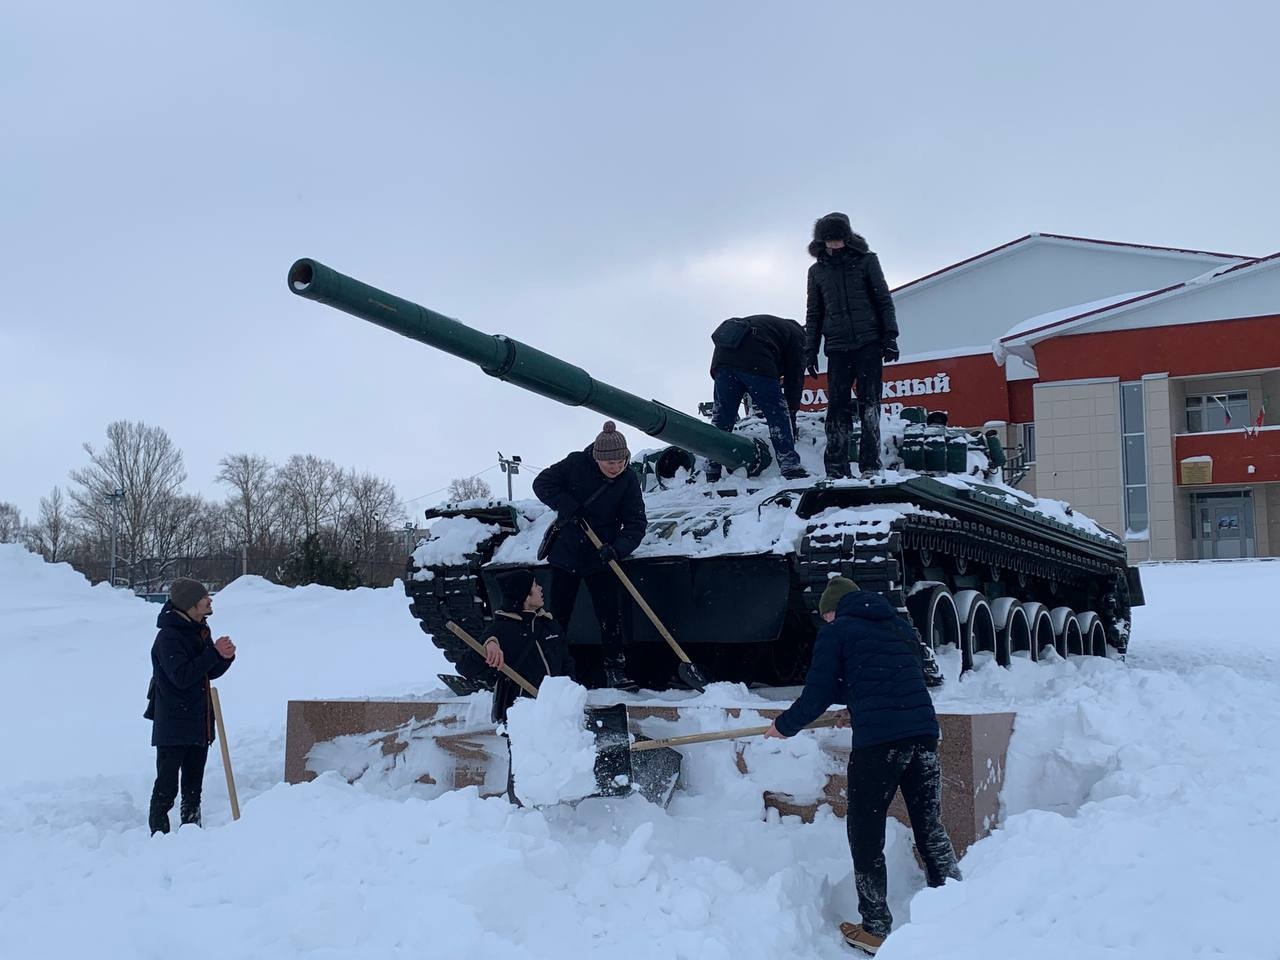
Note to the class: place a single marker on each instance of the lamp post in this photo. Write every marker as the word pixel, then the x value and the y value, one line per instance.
pixel 115 497
pixel 510 466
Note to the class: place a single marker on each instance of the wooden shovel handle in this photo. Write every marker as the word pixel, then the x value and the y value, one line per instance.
pixel 722 735
pixel 226 752
pixel 635 595
pixel 470 641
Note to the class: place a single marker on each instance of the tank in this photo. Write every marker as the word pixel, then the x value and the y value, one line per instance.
pixel 735 569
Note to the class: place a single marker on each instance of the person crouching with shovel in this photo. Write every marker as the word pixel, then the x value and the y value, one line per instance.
pixel 866 656
pixel 524 637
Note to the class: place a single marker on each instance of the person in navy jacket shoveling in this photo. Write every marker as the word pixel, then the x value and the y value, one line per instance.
pixel 866 657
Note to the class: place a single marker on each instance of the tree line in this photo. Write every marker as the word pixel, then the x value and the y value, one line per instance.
pixel 306 520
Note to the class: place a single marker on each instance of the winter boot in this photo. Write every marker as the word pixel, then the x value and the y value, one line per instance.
pixel 615 675
pixel 190 813
pixel 158 819
pixel 795 473
pixel 855 936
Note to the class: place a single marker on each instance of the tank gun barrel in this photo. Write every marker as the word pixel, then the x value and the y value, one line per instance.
pixel 507 359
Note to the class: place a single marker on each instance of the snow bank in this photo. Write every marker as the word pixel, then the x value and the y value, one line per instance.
pixel 552 753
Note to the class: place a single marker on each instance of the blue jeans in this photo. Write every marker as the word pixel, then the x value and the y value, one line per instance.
pixel 767 393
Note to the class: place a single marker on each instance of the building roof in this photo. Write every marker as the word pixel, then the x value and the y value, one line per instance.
pixel 1064 239
pixel 1070 319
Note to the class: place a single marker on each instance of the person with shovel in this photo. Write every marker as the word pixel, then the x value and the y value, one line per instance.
pixel 184 659
pixel 593 486
pixel 866 657
pixel 524 637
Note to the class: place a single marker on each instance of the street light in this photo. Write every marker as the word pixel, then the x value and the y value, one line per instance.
pixel 115 497
pixel 510 466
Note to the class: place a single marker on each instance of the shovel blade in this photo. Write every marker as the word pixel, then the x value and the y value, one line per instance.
pixel 652 773
pixel 691 676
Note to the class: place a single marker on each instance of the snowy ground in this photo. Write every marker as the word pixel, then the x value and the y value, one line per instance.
pixel 1141 811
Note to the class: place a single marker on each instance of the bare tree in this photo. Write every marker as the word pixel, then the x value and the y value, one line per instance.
pixel 10 523
pixel 308 485
pixel 253 506
pixel 469 488
pixel 53 534
pixel 144 464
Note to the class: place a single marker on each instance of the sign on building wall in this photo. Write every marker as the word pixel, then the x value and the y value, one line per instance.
pixel 972 389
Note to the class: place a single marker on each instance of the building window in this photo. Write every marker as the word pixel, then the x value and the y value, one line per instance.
pixel 1134 455
pixel 1217 411
pixel 1028 443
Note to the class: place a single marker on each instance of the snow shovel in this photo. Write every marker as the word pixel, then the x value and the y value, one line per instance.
pixel 653 774
pixel 226 752
pixel 689 673
pixel 738 734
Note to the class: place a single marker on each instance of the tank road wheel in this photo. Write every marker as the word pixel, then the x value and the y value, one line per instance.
pixel 1070 642
pixel 1093 633
pixel 1013 632
pixel 1041 628
pixel 933 611
pixel 978 633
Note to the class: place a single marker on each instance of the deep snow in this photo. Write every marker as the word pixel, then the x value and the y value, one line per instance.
pixel 1140 810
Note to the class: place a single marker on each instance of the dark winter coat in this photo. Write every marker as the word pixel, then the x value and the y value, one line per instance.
pixel 849 304
pixel 183 661
pixel 866 657
pixel 617 515
pixel 533 647
pixel 775 348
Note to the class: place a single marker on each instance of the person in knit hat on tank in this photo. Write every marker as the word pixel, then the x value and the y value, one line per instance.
pixel 184 659
pixel 849 313
pixel 593 486
pixel 865 658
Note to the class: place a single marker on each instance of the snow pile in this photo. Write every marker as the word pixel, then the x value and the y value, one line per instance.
pixel 450 540
pixel 1140 813
pixel 553 754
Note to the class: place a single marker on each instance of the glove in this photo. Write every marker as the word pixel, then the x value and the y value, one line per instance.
pixel 811 366
pixel 566 515
pixel 608 554
pixel 890 353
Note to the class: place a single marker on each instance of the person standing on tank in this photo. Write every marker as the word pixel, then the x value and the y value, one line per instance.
pixel 762 356
pixel 849 313
pixel 595 486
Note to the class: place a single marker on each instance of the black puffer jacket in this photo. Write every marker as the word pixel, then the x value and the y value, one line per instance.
pixel 775 348
pixel 849 304
pixel 533 647
pixel 617 515
pixel 866 658
pixel 183 661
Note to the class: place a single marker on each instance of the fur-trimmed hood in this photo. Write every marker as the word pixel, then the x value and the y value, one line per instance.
pixel 835 226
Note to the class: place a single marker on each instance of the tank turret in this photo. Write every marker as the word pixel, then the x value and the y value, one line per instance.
pixel 518 363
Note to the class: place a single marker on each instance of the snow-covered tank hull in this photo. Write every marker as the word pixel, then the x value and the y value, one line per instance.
pixel 735 569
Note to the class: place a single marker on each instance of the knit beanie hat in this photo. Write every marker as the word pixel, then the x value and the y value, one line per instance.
pixel 515 586
pixel 186 593
pixel 834 226
pixel 837 587
pixel 610 444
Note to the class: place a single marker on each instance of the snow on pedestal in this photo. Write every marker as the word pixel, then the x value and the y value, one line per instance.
pixel 553 754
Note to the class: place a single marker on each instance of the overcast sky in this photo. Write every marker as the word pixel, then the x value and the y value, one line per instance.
pixel 605 181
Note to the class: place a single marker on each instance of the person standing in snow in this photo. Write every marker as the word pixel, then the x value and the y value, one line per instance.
pixel 850 313
pixel 183 661
pixel 524 637
pixel 595 486
pixel 866 658
pixel 752 354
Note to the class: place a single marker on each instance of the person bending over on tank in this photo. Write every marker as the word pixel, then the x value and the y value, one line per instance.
pixel 593 485
pixel 751 355
pixel 524 637
pixel 183 661
pixel 866 658
pixel 850 313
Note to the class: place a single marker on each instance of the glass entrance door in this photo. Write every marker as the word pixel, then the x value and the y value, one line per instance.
pixel 1223 525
